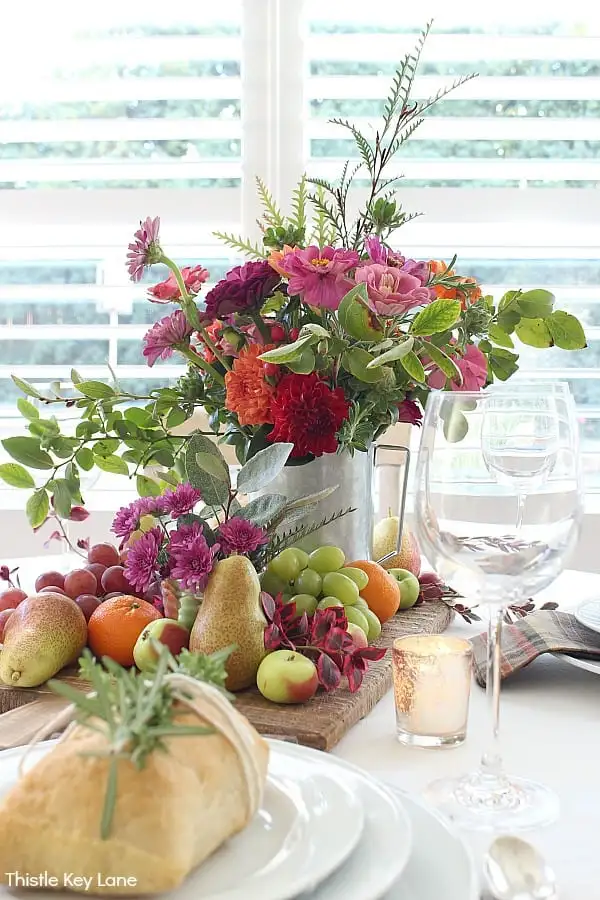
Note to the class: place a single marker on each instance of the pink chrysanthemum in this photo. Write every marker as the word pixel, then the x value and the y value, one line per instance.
pixel 165 336
pixel 145 249
pixel 180 501
pixel 241 536
pixel 192 562
pixel 183 536
pixel 142 566
pixel 127 519
pixel 319 276
pixel 167 291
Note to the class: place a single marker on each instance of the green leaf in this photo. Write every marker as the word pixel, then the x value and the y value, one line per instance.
pixel 301 507
pixel 536 304
pixel 85 458
pixel 508 320
pixel 287 352
pixel 443 362
pixel 86 429
pixel 456 425
pixel 62 498
pixel 28 389
pixel 356 318
pixel 163 457
pixel 508 301
pixel 396 352
pixel 316 332
pixel 534 332
pixel 439 316
pixel 63 447
pixel 113 464
pixel 27 409
pixel 305 363
pixel 138 416
pixel 37 508
pixel 214 465
pixel 356 361
pixel 500 337
pixel 27 451
pixel 176 417
pixel 214 491
pixel 16 475
pixel 170 478
pixel 76 377
pixel 106 447
pixel 566 331
pixel 147 487
pixel 263 509
pixel 95 390
pixel 263 467
pixel 412 364
pixel 503 363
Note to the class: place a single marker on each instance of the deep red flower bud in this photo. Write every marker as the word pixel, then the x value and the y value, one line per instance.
pixel 277 333
pixel 294 333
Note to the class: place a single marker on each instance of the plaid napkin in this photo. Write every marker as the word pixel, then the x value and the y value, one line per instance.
pixel 544 631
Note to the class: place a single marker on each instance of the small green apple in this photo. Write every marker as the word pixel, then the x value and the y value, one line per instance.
pixel 409 587
pixel 357 635
pixel 162 631
pixel 285 676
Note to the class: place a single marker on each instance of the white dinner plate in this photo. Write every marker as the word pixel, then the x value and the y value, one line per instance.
pixel 590 665
pixel 588 614
pixel 310 821
pixel 441 864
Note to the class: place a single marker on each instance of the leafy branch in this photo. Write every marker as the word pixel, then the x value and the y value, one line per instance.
pixel 241 245
pixel 288 538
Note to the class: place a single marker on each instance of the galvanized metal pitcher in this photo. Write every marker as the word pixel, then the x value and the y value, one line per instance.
pixel 357 489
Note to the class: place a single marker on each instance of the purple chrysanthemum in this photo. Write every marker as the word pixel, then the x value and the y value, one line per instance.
pixel 142 567
pixel 241 536
pixel 192 562
pixel 165 335
pixel 127 519
pixel 180 501
pixel 145 249
pixel 182 537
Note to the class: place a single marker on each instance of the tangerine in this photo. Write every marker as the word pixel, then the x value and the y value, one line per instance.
pixel 115 626
pixel 382 593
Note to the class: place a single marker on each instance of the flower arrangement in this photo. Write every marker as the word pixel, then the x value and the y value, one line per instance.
pixel 324 339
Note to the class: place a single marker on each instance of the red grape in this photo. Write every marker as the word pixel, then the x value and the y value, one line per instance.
pixel 87 603
pixel 112 594
pixel 114 580
pixel 106 554
pixel 98 570
pixel 11 598
pixel 4 617
pixel 49 579
pixel 52 589
pixel 80 581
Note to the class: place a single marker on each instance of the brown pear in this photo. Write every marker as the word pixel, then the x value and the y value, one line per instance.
pixel 45 633
pixel 231 613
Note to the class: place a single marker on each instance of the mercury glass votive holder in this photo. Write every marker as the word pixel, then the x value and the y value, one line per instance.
pixel 432 684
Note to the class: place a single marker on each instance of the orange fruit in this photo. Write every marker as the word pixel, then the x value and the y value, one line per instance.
pixel 382 594
pixel 115 626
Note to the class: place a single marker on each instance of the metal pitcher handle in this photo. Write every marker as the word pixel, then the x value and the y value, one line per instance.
pixel 402 505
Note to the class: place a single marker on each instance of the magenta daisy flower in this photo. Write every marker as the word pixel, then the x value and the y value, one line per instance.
pixel 193 562
pixel 183 536
pixel 142 566
pixel 145 249
pixel 165 336
pixel 127 519
pixel 180 501
pixel 241 536
pixel 319 276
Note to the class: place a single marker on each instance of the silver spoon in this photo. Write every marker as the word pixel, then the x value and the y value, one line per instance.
pixel 515 870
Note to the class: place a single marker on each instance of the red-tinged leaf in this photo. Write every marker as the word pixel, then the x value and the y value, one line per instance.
pixel 272 637
pixel 371 653
pixel 355 679
pixel 329 674
pixel 78 514
pixel 336 639
pixel 55 536
pixel 268 605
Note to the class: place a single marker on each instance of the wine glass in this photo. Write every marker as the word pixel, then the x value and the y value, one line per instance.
pixel 498 509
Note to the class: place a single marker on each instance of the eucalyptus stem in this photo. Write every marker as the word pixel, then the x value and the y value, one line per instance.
pixel 201 363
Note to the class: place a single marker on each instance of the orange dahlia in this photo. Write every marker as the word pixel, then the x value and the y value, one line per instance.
pixel 466 290
pixel 248 394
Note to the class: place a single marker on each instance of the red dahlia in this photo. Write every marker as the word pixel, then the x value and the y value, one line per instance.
pixel 308 413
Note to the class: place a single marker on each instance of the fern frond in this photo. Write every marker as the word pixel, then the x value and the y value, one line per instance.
pixel 322 183
pixel 364 147
pixel 238 243
pixel 272 214
pixel 404 77
pixel 299 198
pixel 443 92
pixel 288 538
pixel 404 136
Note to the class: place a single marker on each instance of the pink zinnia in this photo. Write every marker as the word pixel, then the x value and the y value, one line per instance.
pixel 241 536
pixel 167 291
pixel 319 276
pixel 165 336
pixel 391 290
pixel 193 562
pixel 127 519
pixel 376 250
pixel 145 249
pixel 180 501
pixel 142 566
pixel 473 367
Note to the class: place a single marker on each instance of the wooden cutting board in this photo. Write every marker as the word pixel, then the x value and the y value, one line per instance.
pixel 321 723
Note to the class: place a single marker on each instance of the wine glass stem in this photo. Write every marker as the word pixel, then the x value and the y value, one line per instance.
pixel 491 761
pixel 520 510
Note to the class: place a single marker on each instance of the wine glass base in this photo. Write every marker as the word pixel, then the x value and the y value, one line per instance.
pixel 481 802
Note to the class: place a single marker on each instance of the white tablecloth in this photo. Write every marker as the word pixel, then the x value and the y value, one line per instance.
pixel 550 731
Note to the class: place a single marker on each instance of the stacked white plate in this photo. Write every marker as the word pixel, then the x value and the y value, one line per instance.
pixel 326 831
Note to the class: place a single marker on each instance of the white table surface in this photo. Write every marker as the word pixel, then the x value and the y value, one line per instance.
pixel 550 731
